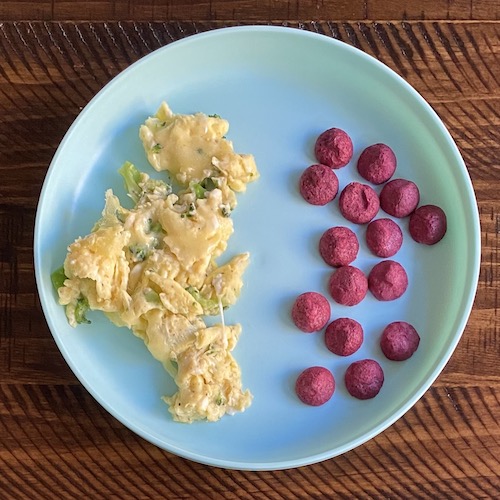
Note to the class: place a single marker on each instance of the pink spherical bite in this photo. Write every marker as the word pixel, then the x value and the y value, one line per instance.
pixel 377 163
pixel 344 336
pixel 333 148
pixel 348 285
pixel 428 224
pixel 358 203
pixel 384 237
pixel 311 312
pixel 399 341
pixel 315 385
pixel 388 280
pixel 318 184
pixel 338 246
pixel 364 379
pixel 399 197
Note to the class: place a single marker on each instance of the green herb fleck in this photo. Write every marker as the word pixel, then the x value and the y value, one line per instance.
pixel 138 252
pixel 156 148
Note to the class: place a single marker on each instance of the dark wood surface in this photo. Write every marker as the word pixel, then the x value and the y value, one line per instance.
pixel 55 440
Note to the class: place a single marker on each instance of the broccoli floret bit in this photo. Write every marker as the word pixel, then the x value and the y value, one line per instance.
pixel 156 148
pixel 138 252
pixel 81 309
pixel 132 178
pixel 58 278
pixel 200 188
pixel 81 306
pixel 138 183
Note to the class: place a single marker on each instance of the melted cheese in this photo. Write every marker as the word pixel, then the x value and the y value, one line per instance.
pixel 194 147
pixel 152 268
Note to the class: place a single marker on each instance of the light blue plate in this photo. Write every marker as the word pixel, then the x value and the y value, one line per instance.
pixel 279 88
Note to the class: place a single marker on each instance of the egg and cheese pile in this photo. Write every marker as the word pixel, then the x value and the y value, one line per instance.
pixel 153 268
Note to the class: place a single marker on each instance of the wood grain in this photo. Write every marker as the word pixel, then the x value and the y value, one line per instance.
pixel 236 10
pixel 56 441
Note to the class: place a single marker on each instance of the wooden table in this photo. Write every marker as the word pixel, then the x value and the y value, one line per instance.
pixel 55 440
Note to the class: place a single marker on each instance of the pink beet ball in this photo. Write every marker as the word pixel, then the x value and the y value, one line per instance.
pixel 333 148
pixel 384 237
pixel 428 224
pixel 338 246
pixel 364 379
pixel 348 285
pixel 315 385
pixel 399 197
pixel 358 203
pixel 318 184
pixel 311 312
pixel 377 163
pixel 399 341
pixel 388 280
pixel 344 336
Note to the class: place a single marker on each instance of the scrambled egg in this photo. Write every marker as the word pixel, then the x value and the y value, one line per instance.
pixel 153 268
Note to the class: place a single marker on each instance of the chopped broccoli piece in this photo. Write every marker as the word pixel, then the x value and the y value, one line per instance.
pixel 210 306
pixel 208 183
pixel 200 188
pixel 138 183
pixel 58 277
pixel 133 179
pixel 154 227
pixel 138 252
pixel 81 308
pixel 151 296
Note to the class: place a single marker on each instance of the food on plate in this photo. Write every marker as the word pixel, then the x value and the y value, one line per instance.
pixel 384 237
pixel 377 163
pixel 194 148
pixel 310 312
pixel 399 197
pixel 388 280
pixel 315 385
pixel 358 203
pixel 338 246
pixel 152 268
pixel 348 285
pixel 364 379
pixel 428 224
pixel 344 336
pixel 333 148
pixel 318 184
pixel 399 341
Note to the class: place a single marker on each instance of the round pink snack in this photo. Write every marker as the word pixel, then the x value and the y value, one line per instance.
pixel 333 148
pixel 344 336
pixel 377 163
pixel 399 341
pixel 399 197
pixel 364 379
pixel 310 312
pixel 388 280
pixel 338 246
pixel 428 224
pixel 348 285
pixel 384 237
pixel 315 385
pixel 318 184
pixel 358 203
